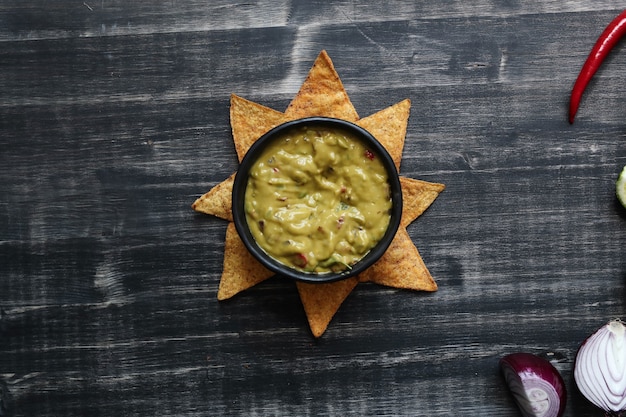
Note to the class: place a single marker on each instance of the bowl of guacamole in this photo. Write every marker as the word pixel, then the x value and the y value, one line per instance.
pixel 317 199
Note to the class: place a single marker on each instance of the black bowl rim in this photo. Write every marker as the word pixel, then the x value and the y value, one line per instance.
pixel 241 224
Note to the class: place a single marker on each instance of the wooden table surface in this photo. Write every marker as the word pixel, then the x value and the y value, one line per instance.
pixel 114 119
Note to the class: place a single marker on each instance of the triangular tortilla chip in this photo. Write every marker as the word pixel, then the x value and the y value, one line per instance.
pixel 321 301
pixel 322 94
pixel 388 126
pixel 241 270
pixel 218 201
pixel 417 196
pixel 401 266
pixel 249 121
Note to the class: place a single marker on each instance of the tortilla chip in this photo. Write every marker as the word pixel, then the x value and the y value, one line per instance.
pixel 388 126
pixel 401 266
pixel 417 196
pixel 322 94
pixel 321 301
pixel 218 201
pixel 241 269
pixel 249 121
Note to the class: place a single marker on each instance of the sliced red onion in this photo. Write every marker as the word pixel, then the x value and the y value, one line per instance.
pixel 536 385
pixel 600 369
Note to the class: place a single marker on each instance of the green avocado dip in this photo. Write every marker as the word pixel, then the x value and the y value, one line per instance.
pixel 317 200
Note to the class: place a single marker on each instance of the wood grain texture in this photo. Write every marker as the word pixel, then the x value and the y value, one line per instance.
pixel 114 119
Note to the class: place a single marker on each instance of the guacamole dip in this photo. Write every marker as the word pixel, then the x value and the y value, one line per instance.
pixel 317 200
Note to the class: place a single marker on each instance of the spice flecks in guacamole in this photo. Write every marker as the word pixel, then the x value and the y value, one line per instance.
pixel 317 200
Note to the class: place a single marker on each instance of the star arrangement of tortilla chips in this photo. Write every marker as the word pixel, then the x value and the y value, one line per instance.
pixel 323 94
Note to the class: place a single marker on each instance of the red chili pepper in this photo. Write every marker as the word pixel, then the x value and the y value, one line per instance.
pixel 369 155
pixel 607 40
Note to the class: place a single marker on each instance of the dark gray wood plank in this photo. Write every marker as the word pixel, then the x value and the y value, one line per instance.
pixel 114 118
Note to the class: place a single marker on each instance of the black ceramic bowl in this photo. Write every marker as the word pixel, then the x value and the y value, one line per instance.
pixel 241 182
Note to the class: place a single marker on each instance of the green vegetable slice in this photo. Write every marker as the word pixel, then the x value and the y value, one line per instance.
pixel 620 187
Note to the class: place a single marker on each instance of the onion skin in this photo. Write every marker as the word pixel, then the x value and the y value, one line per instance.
pixel 600 368
pixel 536 385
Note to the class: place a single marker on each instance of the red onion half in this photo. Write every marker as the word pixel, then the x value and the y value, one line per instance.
pixel 536 385
pixel 600 369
